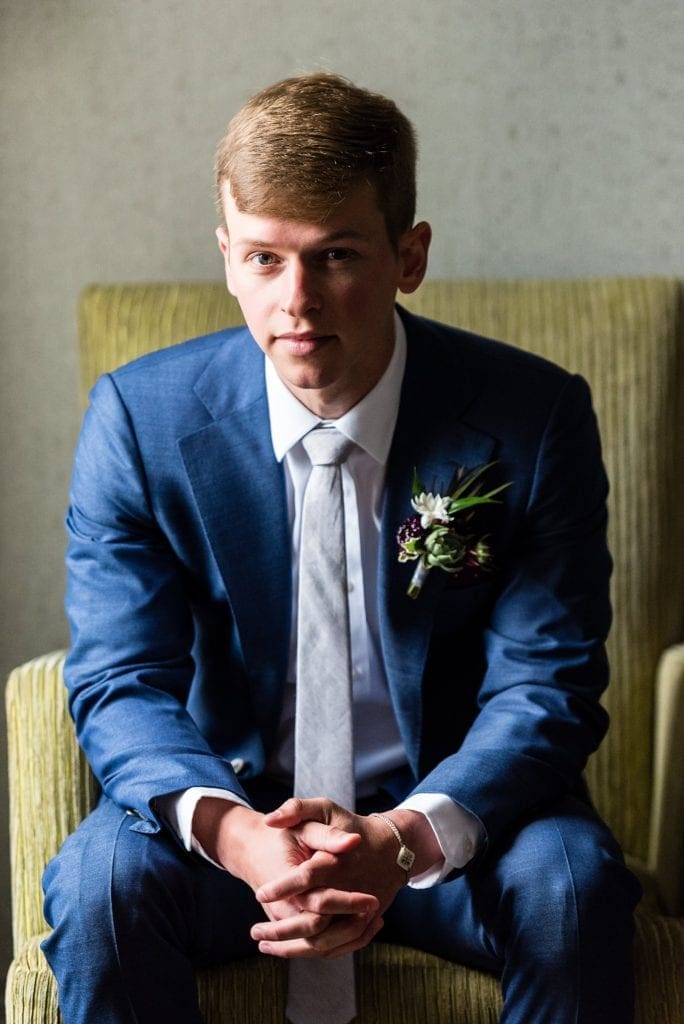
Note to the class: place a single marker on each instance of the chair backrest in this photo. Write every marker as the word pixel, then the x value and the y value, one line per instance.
pixel 624 336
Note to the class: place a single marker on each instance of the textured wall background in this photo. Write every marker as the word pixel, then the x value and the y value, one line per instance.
pixel 552 145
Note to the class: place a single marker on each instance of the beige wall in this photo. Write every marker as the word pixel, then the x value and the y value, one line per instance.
pixel 551 138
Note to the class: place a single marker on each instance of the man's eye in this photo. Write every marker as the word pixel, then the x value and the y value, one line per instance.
pixel 262 259
pixel 337 255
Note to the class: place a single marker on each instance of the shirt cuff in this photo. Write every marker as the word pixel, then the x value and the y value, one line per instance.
pixel 458 832
pixel 178 810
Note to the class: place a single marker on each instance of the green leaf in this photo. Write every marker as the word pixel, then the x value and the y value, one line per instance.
pixel 417 484
pixel 461 504
pixel 470 478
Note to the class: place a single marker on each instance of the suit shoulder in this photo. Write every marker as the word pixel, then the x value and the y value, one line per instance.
pixel 165 375
pixel 159 390
pixel 194 353
pixel 497 358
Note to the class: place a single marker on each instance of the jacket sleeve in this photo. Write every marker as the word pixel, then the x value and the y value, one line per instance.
pixel 130 666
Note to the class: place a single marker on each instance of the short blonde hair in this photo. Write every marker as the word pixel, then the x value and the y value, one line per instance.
pixel 299 147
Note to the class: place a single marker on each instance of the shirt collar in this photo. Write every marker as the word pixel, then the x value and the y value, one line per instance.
pixel 369 424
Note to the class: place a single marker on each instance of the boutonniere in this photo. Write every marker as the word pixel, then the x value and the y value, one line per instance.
pixel 442 533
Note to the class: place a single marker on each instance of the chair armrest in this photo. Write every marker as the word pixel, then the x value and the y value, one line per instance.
pixel 50 785
pixel 666 851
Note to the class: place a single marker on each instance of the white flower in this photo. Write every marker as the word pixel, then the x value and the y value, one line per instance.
pixel 431 507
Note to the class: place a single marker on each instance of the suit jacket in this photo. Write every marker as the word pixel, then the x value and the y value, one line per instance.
pixel 179 577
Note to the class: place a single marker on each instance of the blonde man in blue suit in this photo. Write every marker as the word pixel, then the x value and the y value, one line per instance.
pixel 475 705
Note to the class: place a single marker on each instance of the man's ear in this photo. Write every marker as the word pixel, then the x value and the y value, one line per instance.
pixel 224 246
pixel 413 256
pixel 222 239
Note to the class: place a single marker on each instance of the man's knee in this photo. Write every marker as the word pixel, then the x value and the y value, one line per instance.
pixel 105 874
pixel 566 873
pixel 127 890
pixel 122 909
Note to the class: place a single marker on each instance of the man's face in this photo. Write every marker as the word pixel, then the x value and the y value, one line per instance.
pixel 319 297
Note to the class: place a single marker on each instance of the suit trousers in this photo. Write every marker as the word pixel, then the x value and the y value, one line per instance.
pixel 550 911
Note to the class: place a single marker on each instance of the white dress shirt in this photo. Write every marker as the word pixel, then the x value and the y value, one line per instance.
pixel 378 746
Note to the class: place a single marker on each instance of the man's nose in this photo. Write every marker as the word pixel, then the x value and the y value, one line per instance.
pixel 301 293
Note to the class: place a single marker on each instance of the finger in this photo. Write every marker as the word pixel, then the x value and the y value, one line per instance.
pixel 287 815
pixel 296 810
pixel 348 934
pixel 326 837
pixel 374 926
pixel 282 909
pixel 300 926
pixel 338 902
pixel 310 874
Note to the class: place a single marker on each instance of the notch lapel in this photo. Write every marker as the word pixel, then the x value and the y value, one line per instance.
pixel 239 488
pixel 431 436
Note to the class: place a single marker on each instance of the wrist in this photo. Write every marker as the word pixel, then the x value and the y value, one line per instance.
pixel 224 830
pixel 405 857
pixel 418 836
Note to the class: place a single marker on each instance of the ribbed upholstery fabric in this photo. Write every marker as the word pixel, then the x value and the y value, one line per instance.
pixel 31 994
pixel 625 336
pixel 51 786
pixel 118 323
pixel 659 969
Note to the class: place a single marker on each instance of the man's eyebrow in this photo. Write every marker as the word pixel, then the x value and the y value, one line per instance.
pixel 352 234
pixel 335 236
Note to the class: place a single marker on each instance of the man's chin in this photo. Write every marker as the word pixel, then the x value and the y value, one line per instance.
pixel 305 374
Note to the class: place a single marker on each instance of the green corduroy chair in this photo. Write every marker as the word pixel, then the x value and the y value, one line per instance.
pixel 625 337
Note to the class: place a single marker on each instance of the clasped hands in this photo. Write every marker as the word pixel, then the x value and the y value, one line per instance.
pixel 324 875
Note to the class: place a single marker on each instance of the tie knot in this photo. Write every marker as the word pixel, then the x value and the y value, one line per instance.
pixel 326 446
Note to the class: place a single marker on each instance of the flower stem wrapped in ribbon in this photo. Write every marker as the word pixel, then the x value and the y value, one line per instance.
pixel 440 535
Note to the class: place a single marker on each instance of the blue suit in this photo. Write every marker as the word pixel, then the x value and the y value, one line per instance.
pixel 179 601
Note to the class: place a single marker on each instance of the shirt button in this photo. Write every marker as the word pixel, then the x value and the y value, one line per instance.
pixel 350 586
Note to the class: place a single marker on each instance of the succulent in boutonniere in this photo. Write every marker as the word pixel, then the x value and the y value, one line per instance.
pixel 441 534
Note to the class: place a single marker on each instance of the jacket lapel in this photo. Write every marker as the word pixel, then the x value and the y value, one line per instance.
pixel 239 488
pixel 433 437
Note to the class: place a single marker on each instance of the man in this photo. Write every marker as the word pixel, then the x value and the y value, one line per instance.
pixel 475 706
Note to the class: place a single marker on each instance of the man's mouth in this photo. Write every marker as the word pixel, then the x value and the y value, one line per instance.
pixel 303 343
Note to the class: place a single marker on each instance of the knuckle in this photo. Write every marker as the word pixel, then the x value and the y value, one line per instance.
pixel 315 924
pixel 314 904
pixel 318 903
pixel 306 875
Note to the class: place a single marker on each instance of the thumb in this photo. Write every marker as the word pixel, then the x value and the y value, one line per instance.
pixel 294 811
pixel 329 838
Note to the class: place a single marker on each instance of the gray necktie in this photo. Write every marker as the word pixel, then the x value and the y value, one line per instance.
pixel 322 991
